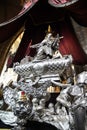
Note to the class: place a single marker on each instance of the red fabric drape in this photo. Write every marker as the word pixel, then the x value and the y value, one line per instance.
pixel 76 8
pixel 14 24
pixel 78 11
pixel 70 44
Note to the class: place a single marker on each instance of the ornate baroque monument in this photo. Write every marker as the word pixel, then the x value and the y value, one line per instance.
pixel 45 73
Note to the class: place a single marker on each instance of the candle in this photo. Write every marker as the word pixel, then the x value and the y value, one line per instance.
pixel 74 73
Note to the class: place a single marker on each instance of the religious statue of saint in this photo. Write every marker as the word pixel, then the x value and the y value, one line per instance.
pixel 48 46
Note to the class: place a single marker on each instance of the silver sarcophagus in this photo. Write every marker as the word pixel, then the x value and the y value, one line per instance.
pixel 45 67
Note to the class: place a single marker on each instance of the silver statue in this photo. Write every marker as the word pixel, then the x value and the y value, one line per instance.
pixel 75 92
pixel 28 96
pixel 47 47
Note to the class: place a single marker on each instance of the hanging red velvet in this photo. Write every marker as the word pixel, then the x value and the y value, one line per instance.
pixel 14 24
pixel 70 44
pixel 78 11
pixel 76 8
pixel 27 52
